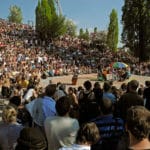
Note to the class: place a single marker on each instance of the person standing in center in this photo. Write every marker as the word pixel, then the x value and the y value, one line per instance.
pixel 61 130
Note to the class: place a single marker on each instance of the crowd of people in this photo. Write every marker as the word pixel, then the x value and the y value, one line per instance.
pixel 96 118
pixel 22 52
pixel 80 118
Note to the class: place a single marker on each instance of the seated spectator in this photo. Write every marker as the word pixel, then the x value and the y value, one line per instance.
pixel 124 75
pixel 30 93
pixel 138 127
pixel 23 82
pixel 87 135
pixel 31 138
pixel 9 128
pixel 5 91
pixel 61 130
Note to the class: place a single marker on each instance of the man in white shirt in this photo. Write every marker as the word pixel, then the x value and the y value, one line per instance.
pixel 61 130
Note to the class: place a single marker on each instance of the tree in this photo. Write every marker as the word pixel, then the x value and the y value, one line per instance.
pixel 71 27
pixel 48 24
pixel 57 26
pixel 43 18
pixel 136 31
pixel 38 17
pixel 81 33
pixel 52 6
pixel 113 31
pixel 95 30
pixel 84 35
pixel 147 33
pixel 15 14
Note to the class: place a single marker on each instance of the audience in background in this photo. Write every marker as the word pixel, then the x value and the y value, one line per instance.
pixel 26 60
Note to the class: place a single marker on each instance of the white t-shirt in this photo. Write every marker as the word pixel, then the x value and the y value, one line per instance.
pixel 29 94
pixel 76 147
pixel 60 131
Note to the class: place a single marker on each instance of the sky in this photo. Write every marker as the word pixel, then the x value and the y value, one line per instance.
pixel 85 13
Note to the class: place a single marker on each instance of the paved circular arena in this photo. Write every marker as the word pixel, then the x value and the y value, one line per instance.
pixel 67 80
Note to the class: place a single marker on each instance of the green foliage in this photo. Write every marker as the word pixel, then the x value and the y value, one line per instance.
pixel 43 18
pixel 52 6
pixel 81 33
pixel 95 30
pixel 84 35
pixel 136 31
pixel 15 14
pixel 38 16
pixel 48 23
pixel 57 26
pixel 112 36
pixel 71 27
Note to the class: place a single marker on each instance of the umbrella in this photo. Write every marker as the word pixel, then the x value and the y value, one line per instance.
pixel 119 65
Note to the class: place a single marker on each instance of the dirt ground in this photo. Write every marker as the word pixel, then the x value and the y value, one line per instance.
pixel 92 77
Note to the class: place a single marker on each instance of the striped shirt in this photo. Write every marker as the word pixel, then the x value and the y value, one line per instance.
pixel 109 127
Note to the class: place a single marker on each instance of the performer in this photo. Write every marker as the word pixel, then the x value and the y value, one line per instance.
pixel 74 78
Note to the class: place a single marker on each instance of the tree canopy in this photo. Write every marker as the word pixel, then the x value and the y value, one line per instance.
pixel 71 27
pixel 113 31
pixel 136 31
pixel 48 23
pixel 15 14
pixel 84 34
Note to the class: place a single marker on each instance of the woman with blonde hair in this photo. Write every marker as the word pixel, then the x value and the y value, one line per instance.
pixel 9 128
